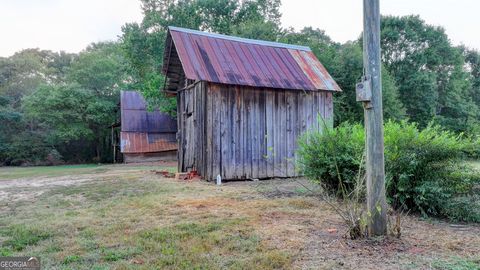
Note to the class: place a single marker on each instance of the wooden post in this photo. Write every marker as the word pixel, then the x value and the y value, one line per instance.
pixel 375 167
pixel 113 144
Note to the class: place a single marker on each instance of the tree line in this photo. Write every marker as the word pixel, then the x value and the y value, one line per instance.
pixel 57 107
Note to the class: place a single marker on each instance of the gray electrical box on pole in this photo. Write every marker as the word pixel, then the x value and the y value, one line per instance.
pixel 369 91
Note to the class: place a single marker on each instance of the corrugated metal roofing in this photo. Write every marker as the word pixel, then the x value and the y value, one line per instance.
pixel 239 61
pixel 136 118
pixel 144 131
pixel 139 142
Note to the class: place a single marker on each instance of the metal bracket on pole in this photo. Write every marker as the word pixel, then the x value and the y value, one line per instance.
pixel 363 91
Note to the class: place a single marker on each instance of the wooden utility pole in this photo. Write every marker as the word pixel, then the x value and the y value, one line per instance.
pixel 375 161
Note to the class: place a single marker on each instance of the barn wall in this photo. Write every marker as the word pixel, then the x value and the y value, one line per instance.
pixel 244 132
pixel 191 116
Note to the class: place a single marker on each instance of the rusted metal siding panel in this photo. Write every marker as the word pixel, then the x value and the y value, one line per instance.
pixel 237 61
pixel 136 118
pixel 144 121
pixel 144 131
pixel 136 142
pixel 131 100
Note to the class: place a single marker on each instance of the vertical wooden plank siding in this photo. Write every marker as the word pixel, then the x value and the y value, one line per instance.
pixel 322 109
pixel 329 108
pixel 262 135
pixel 239 167
pixel 224 133
pixel 277 131
pixel 209 132
pixel 243 132
pixel 281 143
pixel 254 133
pixel 217 142
pixel 270 135
pixel 179 133
pixel 289 134
pixel 248 129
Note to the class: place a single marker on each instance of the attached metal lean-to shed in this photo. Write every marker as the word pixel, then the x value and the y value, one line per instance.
pixel 243 103
pixel 145 136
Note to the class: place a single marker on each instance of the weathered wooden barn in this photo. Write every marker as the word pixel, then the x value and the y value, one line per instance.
pixel 145 136
pixel 243 103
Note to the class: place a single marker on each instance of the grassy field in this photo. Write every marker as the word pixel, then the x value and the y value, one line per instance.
pixel 7 173
pixel 129 217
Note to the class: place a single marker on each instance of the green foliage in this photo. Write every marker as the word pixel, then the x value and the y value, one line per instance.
pixel 325 160
pixel 472 61
pixel 429 72
pixel 101 67
pixel 71 112
pixel 393 109
pixel 24 71
pixel 347 70
pixel 346 66
pixel 424 168
pixel 463 208
pixel 112 255
pixel 256 30
pixel 57 106
pixel 71 259
pixel 456 263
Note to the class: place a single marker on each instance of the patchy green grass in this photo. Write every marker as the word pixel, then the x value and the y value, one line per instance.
pixel 457 264
pixel 225 244
pixel 20 236
pixel 9 173
pixel 24 172
pixel 132 218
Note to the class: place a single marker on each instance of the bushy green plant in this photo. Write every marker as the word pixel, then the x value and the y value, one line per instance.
pixel 424 168
pixel 421 166
pixel 340 171
pixel 325 160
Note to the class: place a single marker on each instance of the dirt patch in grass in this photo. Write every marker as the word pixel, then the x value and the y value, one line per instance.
pixel 128 217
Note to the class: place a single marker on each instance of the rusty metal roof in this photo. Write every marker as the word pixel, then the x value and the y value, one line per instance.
pixel 240 61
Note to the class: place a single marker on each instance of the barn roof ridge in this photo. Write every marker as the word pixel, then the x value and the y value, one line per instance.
pixel 241 39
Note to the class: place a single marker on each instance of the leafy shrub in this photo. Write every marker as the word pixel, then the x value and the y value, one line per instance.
pixel 318 152
pixel 474 151
pixel 463 208
pixel 423 172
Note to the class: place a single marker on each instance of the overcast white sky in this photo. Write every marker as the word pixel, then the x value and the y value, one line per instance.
pixel 70 25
